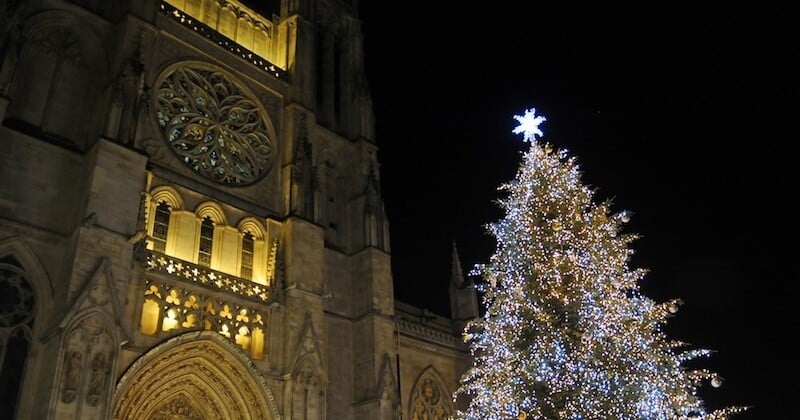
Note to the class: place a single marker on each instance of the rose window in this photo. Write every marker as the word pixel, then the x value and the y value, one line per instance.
pixel 213 124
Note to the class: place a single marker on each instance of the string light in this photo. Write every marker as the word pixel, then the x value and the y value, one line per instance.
pixel 567 333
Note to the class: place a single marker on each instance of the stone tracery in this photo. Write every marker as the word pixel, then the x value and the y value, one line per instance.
pixel 428 399
pixel 213 125
pixel 17 298
pixel 168 308
pixel 86 364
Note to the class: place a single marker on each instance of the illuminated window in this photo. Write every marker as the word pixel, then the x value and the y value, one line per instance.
pixel 151 310
pixel 257 343
pixel 206 242
pixel 170 321
pixel 149 319
pixel 247 256
pixel 160 227
pixel 168 309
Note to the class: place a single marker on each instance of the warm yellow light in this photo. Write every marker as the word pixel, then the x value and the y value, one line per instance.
pixel 235 21
pixel 257 344
pixel 170 322
pixel 149 319
pixel 191 321
pixel 225 331
pixel 242 339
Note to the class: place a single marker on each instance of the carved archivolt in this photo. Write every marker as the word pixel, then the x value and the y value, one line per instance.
pixel 181 406
pixel 198 376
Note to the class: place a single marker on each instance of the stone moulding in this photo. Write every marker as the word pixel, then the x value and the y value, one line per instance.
pixel 196 372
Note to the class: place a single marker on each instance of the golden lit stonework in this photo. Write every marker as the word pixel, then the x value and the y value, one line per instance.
pixel 196 376
pixel 168 309
pixel 206 277
pixel 234 27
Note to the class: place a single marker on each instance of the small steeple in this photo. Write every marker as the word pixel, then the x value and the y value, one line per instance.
pixel 463 296
pixel 456 275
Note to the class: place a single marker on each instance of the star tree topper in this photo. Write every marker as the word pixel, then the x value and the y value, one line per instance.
pixel 529 125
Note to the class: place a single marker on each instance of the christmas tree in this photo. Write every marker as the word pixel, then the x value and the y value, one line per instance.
pixel 567 334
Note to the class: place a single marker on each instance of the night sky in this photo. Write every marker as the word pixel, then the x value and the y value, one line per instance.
pixel 685 117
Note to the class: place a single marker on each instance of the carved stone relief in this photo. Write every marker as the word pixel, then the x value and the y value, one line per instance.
pixel 72 360
pixel 97 381
pixel 87 359
pixel 179 408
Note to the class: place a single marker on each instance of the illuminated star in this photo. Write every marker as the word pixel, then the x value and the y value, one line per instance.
pixel 529 125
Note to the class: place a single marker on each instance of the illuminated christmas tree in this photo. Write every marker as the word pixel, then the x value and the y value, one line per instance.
pixel 567 334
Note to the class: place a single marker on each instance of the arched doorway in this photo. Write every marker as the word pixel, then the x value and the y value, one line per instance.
pixel 194 376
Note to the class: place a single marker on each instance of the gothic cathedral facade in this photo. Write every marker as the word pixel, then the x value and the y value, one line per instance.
pixel 191 223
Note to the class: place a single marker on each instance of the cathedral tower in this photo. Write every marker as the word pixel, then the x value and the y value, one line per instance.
pixel 191 221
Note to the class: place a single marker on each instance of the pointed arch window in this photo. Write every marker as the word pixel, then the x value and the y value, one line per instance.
pixel 429 399
pixel 161 227
pixel 15 354
pixel 52 83
pixel 248 245
pixel 206 242
pixel 17 304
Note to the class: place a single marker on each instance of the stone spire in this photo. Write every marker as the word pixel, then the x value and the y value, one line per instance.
pixel 456 275
pixel 463 296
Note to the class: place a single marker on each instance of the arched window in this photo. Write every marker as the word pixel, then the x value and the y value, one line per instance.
pixel 246 270
pixel 429 400
pixel 17 303
pixel 52 83
pixel 16 351
pixel 206 242
pixel 161 227
pixel 308 401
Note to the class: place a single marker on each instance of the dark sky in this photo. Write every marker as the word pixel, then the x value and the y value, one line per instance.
pixel 685 117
